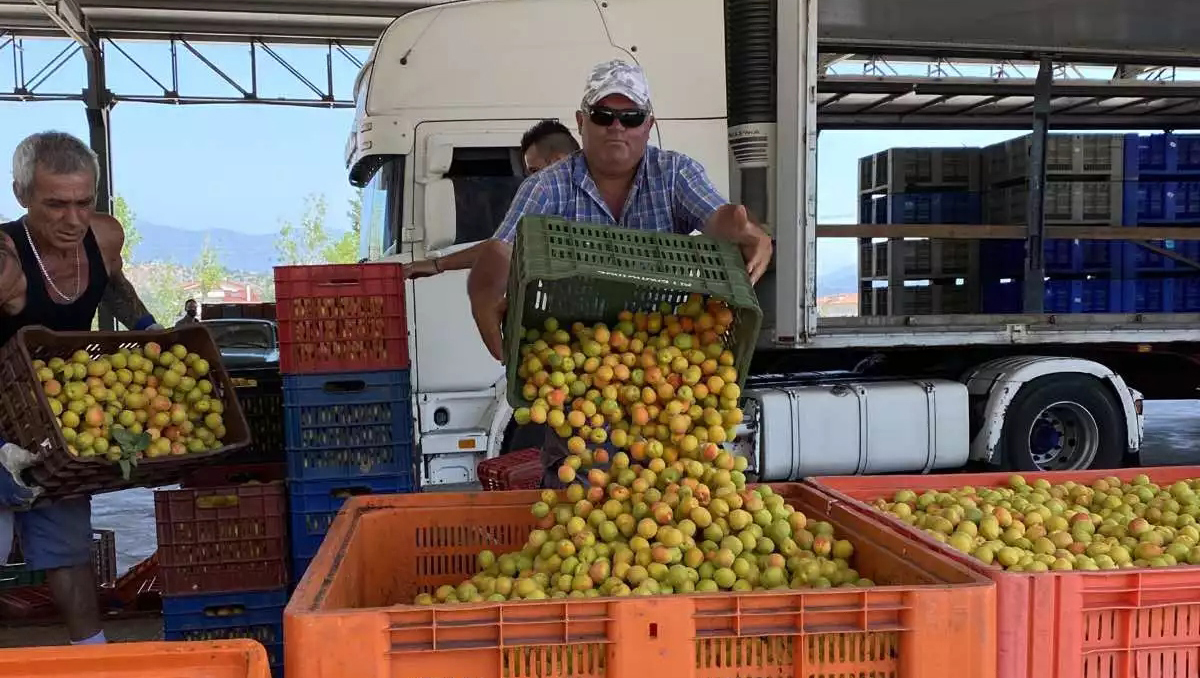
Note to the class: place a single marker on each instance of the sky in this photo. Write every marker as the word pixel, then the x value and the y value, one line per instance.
pixel 247 167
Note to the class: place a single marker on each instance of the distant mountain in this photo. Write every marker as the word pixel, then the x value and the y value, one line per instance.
pixel 239 251
pixel 255 253
pixel 838 281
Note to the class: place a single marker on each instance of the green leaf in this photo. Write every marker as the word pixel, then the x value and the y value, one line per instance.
pixel 126 467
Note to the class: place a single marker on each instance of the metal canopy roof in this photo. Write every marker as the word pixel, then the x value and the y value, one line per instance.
pixel 349 21
pixel 1161 32
pixel 994 103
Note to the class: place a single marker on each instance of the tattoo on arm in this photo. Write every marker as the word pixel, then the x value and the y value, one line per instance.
pixel 122 299
pixel 10 269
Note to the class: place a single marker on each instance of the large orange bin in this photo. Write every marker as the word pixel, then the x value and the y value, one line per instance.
pixel 1136 623
pixel 350 617
pixel 218 659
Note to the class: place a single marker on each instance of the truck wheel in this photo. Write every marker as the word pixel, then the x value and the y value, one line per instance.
pixel 1063 423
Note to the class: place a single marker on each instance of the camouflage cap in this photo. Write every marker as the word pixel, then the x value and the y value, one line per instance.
pixel 617 77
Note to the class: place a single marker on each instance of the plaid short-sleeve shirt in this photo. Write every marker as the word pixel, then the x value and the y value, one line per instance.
pixel 671 192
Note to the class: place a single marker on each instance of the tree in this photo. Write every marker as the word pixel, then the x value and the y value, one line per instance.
pixel 128 219
pixel 309 242
pixel 165 294
pixel 208 271
pixel 345 250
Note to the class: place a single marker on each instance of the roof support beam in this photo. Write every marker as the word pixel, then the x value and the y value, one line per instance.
pixel 67 15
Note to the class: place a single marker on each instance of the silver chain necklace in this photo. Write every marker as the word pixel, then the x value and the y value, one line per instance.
pixel 50 281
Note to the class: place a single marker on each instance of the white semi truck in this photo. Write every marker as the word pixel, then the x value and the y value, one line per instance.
pixel 441 106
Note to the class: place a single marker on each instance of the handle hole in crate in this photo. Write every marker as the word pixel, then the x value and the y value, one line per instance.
pixel 216 501
pixel 344 492
pixel 346 386
pixel 224 610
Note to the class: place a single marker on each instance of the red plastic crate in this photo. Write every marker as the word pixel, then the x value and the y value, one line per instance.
pixel 222 539
pixel 341 318
pixel 513 471
pixel 1130 623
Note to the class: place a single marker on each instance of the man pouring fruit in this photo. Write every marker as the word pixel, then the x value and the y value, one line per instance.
pixel 617 179
pixel 58 263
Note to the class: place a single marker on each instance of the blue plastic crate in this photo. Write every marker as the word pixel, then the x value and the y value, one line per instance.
pixel 1140 260
pixel 1006 258
pixel 922 208
pixel 315 503
pixel 1161 154
pixel 1096 295
pixel 1161 202
pixel 257 615
pixel 1165 295
pixel 1002 297
pixel 348 425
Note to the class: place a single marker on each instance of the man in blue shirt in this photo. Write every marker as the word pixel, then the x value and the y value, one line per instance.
pixel 617 179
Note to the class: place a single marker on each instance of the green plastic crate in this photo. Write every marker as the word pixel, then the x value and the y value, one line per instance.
pixel 590 273
pixel 18 575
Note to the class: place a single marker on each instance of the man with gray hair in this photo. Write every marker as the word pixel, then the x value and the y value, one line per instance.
pixel 57 264
pixel 617 179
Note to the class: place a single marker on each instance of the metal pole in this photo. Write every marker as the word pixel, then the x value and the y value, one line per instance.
pixel 1035 268
pixel 98 104
pixel 795 178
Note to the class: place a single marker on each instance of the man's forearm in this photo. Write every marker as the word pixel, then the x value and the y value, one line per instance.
pixel 489 272
pixel 122 300
pixel 457 261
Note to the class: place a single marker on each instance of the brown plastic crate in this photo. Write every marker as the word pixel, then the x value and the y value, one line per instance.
pixel 26 419
pixel 350 614
pixel 222 539
pixel 235 474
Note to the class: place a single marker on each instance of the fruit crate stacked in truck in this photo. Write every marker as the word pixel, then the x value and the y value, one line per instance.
pixel 919 186
pixel 347 400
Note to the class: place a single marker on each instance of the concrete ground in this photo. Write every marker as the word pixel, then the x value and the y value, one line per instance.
pixel 124 630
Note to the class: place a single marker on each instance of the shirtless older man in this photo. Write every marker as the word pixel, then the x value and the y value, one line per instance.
pixel 58 263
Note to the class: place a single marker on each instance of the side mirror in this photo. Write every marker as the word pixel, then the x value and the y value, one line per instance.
pixel 441 221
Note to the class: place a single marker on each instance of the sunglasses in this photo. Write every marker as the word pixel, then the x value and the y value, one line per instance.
pixel 629 118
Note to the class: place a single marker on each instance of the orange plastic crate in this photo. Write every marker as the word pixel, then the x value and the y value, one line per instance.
pixel 1136 623
pixel 349 615
pixel 218 659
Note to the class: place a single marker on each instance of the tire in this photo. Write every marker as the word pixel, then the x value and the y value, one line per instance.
pixel 1063 422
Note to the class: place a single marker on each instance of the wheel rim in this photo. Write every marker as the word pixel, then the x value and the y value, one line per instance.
pixel 1064 437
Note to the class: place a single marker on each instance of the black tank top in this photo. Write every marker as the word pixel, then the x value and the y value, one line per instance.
pixel 40 309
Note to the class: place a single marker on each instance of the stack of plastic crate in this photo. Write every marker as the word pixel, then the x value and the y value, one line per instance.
pixel 919 186
pixel 347 401
pixel 1083 188
pixel 222 554
pixel 1162 188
